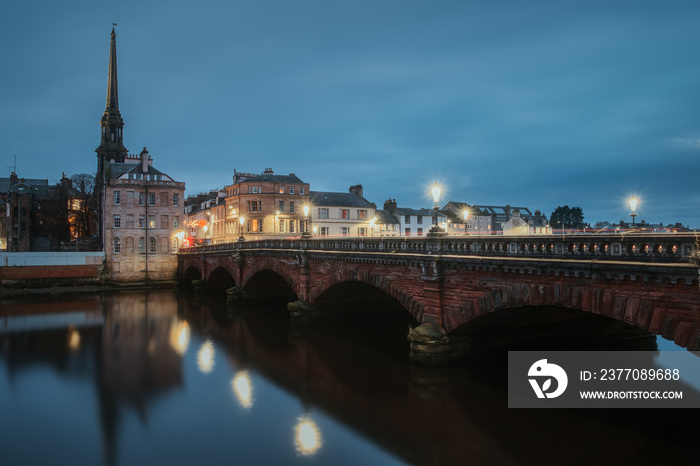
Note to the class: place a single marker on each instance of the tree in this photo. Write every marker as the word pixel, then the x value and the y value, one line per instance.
pixel 570 218
pixel 83 206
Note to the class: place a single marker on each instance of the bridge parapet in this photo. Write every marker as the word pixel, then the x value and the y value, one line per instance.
pixel 637 247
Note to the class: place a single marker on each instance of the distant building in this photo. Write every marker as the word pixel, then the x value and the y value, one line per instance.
pixel 268 204
pixel 413 222
pixel 342 214
pixel 479 221
pixel 536 225
pixel 141 208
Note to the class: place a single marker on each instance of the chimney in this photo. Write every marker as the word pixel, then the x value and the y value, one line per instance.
pixel 357 189
pixel 144 160
pixel 268 171
pixel 390 206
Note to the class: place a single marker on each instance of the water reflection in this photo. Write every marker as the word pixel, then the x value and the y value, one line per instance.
pixel 157 402
pixel 205 357
pixel 307 436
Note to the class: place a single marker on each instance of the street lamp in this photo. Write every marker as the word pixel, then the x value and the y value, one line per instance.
pixel 306 233
pixel 242 220
pixel 633 205
pixel 465 213
pixel 372 221
pixel 435 230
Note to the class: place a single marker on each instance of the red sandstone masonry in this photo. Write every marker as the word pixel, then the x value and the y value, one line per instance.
pixel 49 271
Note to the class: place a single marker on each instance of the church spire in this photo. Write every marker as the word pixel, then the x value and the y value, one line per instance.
pixel 112 140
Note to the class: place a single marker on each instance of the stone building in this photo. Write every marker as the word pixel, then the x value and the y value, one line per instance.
pixel 268 204
pixel 141 211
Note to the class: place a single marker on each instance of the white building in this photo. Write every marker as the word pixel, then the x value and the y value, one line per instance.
pixel 341 214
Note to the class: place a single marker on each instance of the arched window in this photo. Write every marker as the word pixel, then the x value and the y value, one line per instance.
pixel 116 246
pixel 142 245
pixel 152 245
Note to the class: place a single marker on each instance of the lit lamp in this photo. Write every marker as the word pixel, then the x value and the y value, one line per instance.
pixel 436 230
pixel 465 213
pixel 242 220
pixel 633 206
pixel 306 233
pixel 371 226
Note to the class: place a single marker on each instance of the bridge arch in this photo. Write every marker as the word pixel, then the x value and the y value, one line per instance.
pixel 220 279
pixel 269 269
pixel 375 280
pixel 192 273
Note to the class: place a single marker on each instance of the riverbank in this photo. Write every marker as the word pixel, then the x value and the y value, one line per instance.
pixel 85 289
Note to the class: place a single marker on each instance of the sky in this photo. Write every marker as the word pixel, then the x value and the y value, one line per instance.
pixel 538 104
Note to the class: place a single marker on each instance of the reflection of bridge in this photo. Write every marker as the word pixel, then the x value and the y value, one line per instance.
pixel 428 415
pixel 445 282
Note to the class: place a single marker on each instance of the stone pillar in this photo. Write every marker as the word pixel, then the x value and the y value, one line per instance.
pixel 431 346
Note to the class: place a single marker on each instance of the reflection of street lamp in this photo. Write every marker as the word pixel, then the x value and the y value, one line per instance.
pixel 242 220
pixel 633 206
pixel 371 226
pixel 307 436
pixel 436 197
pixel 465 213
pixel 306 233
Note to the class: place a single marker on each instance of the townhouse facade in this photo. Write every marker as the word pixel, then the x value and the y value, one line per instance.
pixel 342 214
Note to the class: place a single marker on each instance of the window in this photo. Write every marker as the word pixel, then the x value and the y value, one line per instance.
pixel 407 219
pixel 252 206
pixel 117 221
pixel 151 199
pixel 344 231
pixel 420 230
pixel 282 222
pixel 176 222
pixel 281 207
pixel 291 190
pixel 291 226
pixel 323 212
pixel 175 244
pixel 142 245
pixel 152 245
pixel 301 191
pixel 407 232
pixel 117 197
pixel 420 220
pixel 142 198
pixel 362 231
pixel 142 221
pixel 291 209
pixel 361 214
pixel 344 213
pixel 116 245
pixel 176 199
pixel 281 191
pixel 324 231
pixel 131 176
pixel 151 221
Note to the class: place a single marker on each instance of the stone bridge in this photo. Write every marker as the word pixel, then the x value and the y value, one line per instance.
pixel 445 282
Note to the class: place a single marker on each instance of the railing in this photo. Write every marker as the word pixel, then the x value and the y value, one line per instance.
pixel 643 247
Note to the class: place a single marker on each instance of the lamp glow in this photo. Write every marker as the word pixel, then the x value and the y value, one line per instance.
pixel 205 357
pixel 633 204
pixel 180 336
pixel 436 194
pixel 243 388
pixel 307 436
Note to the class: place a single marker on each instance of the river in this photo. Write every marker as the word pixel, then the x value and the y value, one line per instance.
pixel 170 378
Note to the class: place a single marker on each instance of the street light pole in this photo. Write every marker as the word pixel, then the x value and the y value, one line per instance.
pixel 633 205
pixel 306 233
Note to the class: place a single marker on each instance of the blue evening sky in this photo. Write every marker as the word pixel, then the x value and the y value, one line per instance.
pixel 539 103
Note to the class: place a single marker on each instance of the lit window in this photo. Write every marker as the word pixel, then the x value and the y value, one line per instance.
pixel 281 190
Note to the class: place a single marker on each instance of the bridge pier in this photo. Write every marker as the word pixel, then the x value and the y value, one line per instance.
pixel 431 346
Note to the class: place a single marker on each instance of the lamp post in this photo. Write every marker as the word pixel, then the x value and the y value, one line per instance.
pixel 633 206
pixel 465 213
pixel 371 227
pixel 242 221
pixel 306 233
pixel 436 230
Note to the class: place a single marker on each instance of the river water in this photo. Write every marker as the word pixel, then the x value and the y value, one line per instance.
pixel 169 378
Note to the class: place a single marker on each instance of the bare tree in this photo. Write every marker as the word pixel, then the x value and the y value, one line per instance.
pixel 83 206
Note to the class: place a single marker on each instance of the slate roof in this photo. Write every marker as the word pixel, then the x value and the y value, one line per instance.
pixel 5 183
pixel 328 199
pixel 283 179
pixel 119 169
pixel 414 212
pixel 384 217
